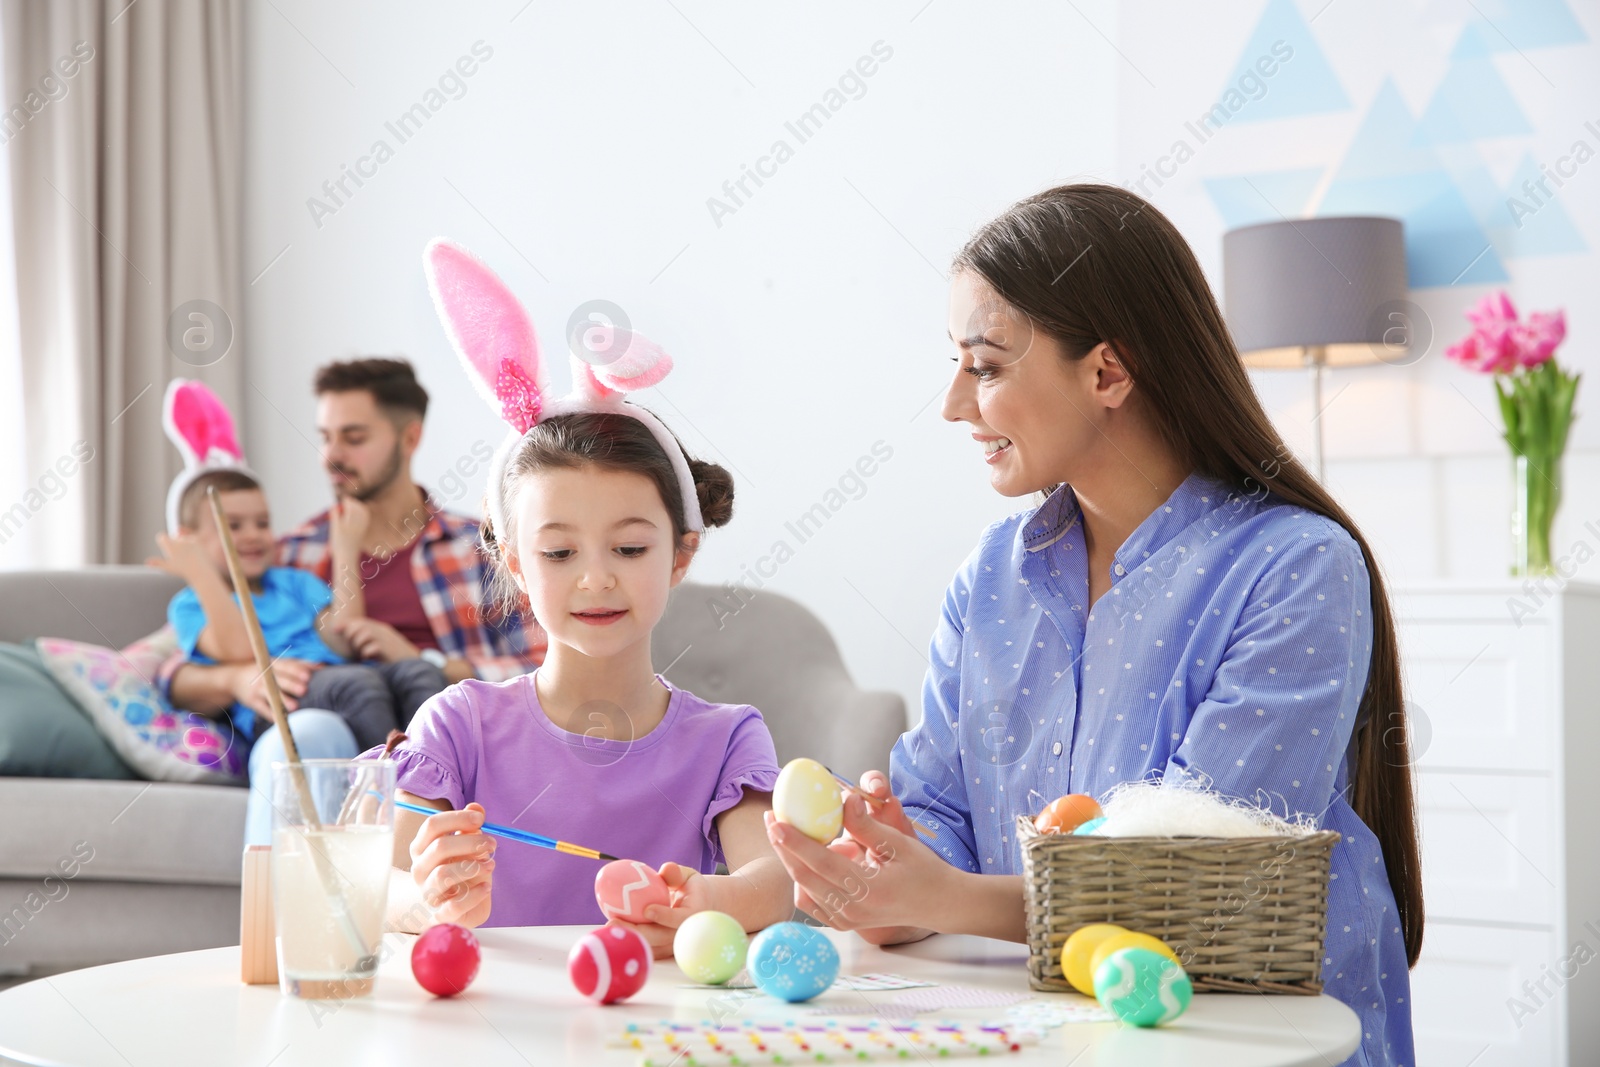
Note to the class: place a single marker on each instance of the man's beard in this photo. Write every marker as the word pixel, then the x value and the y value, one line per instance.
pixel 347 485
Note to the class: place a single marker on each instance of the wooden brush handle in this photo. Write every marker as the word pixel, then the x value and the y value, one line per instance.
pixel 280 717
pixel 258 646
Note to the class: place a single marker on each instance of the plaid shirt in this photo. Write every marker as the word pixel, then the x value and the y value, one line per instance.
pixel 453 576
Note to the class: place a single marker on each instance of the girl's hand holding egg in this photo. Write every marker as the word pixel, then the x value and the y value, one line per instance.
pixel 625 888
pixel 683 891
pixel 452 862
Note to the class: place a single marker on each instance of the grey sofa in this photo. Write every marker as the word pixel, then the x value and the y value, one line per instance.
pixel 163 860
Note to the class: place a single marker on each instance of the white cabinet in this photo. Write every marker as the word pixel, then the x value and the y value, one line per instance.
pixel 1503 689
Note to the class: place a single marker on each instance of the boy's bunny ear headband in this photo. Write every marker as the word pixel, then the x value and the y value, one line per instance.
pixel 491 333
pixel 199 424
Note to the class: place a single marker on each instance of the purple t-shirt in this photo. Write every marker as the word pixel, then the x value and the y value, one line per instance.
pixel 654 799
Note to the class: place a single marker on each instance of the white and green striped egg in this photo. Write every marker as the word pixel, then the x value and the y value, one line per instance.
pixel 1142 987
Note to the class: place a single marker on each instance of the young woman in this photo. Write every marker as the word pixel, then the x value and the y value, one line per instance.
pixel 1187 603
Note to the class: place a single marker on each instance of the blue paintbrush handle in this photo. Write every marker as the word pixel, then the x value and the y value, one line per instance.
pixel 509 832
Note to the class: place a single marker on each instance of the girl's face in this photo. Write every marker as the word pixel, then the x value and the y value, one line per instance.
pixel 595 554
pixel 1035 413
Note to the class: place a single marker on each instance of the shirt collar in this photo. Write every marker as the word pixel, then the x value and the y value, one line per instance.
pixel 1197 496
pixel 436 529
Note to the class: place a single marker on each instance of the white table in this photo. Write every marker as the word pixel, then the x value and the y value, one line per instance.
pixel 190 1008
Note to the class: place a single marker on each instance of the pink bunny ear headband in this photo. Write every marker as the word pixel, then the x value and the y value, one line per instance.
pixel 491 332
pixel 198 423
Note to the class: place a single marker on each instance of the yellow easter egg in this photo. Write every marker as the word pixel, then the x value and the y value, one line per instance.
pixel 1079 950
pixel 807 798
pixel 1127 939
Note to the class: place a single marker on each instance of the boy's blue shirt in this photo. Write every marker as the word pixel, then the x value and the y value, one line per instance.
pixel 287 605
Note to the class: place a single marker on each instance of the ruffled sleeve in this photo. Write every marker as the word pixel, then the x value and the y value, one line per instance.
pixel 429 763
pixel 421 775
pixel 751 764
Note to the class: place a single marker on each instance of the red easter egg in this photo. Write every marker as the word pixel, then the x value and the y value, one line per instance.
pixel 624 888
pixel 445 959
pixel 609 964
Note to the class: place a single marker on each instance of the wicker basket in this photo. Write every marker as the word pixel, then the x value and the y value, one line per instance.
pixel 1245 915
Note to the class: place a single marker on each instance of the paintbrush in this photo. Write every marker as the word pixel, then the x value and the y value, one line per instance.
pixel 878 803
pixel 527 837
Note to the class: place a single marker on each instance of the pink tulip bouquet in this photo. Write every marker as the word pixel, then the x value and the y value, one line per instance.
pixel 1536 398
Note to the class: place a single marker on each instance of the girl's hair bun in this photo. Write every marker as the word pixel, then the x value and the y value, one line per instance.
pixel 713 487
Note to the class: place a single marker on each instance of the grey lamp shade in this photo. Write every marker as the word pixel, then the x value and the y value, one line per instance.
pixel 1314 290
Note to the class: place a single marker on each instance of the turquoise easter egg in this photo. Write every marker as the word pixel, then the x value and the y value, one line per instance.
pixel 793 961
pixel 1142 987
pixel 1090 827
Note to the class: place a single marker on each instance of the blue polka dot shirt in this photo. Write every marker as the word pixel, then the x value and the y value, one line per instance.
pixel 1232 647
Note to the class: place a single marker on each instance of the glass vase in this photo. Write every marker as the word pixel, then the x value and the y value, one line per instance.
pixel 1537 489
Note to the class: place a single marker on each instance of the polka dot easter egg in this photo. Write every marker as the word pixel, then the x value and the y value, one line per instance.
pixel 793 961
pixel 1141 987
pixel 624 888
pixel 710 947
pixel 806 797
pixel 609 964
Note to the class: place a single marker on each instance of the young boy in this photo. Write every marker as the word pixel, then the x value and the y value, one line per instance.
pixel 299 614
pixel 301 617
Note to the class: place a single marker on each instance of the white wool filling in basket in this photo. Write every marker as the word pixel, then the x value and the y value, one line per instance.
pixel 1150 809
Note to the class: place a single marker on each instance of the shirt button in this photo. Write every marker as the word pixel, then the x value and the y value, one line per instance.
pixel 1118 569
pixel 1055 750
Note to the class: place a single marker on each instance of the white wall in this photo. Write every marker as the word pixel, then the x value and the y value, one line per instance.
pixel 1414 452
pixel 806 327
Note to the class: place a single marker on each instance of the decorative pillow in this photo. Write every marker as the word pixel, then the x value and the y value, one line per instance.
pixel 117 690
pixel 43 732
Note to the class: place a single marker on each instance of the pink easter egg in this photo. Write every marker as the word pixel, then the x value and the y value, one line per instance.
pixel 624 888
pixel 609 964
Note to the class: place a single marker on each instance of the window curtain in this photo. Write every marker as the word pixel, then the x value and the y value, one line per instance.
pixel 122 128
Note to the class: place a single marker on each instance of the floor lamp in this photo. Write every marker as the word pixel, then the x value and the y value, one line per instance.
pixel 1315 293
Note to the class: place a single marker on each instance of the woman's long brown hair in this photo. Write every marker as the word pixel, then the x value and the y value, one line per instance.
pixel 1091 263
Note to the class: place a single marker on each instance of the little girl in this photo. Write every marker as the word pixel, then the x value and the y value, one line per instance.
pixel 594 513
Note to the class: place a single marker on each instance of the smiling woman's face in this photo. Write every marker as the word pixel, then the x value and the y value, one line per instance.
pixel 1030 408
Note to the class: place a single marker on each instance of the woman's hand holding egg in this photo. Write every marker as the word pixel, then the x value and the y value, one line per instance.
pixel 874 878
pixel 452 862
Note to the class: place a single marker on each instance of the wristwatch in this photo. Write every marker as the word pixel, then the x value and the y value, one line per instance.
pixel 433 656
